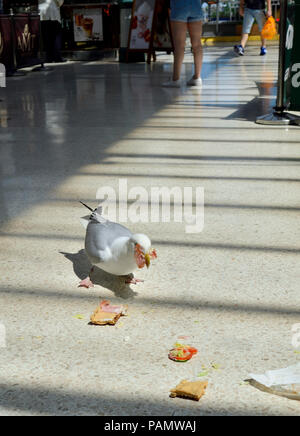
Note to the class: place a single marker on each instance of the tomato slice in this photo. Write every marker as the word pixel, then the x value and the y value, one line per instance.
pixel 193 350
pixel 182 353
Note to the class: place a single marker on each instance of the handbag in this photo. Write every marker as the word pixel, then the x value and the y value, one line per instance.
pixel 269 29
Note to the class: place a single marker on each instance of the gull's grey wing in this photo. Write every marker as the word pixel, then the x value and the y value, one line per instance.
pixel 99 236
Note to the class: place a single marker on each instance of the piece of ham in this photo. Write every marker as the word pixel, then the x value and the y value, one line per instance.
pixel 140 256
pixel 105 306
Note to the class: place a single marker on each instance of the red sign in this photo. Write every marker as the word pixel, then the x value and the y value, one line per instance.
pixel 26 39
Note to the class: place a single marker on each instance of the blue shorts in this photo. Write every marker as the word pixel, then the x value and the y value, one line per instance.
pixel 186 11
pixel 249 16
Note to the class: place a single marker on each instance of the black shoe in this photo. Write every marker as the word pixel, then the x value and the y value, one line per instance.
pixel 60 60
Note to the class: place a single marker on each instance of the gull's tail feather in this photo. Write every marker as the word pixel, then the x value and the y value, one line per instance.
pixel 96 215
pixel 85 205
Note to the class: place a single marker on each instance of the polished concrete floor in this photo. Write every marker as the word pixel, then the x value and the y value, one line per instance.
pixel 233 289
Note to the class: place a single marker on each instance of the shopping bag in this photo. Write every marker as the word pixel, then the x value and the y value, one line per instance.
pixel 269 29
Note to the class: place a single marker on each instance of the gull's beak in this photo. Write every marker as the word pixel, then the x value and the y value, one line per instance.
pixel 147 260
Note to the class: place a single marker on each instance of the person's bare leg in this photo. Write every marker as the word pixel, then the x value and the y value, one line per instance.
pixel 179 30
pixel 244 39
pixel 263 41
pixel 195 31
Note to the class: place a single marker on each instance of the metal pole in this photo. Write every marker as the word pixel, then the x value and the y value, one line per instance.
pixel 278 116
pixel 281 61
pixel 13 40
pixel 217 17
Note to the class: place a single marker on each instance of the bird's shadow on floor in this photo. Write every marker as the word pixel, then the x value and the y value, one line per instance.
pixel 82 267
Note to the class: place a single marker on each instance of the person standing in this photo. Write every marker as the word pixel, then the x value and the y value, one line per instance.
pixel 186 15
pixel 253 10
pixel 51 28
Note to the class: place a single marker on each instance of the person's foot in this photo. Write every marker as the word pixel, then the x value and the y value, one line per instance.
pixel 239 50
pixel 171 84
pixel 263 51
pixel 194 82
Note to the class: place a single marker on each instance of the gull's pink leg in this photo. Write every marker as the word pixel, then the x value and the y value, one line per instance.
pixel 130 279
pixel 87 282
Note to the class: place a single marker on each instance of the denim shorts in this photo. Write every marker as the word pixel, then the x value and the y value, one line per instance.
pixel 249 16
pixel 186 11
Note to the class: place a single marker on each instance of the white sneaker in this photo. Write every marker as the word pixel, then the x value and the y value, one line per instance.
pixel 171 84
pixel 194 82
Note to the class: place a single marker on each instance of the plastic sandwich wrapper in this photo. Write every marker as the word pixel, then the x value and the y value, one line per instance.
pixel 284 382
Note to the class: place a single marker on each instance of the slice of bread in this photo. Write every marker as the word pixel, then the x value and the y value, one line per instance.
pixel 107 314
pixel 101 318
pixel 186 389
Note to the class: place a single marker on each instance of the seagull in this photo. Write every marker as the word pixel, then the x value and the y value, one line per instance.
pixel 113 248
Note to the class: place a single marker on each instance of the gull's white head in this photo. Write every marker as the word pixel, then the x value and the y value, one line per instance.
pixel 142 240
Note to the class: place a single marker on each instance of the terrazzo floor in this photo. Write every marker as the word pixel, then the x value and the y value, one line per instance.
pixel 232 288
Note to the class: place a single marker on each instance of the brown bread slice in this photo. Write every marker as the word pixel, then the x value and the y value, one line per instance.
pixel 186 389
